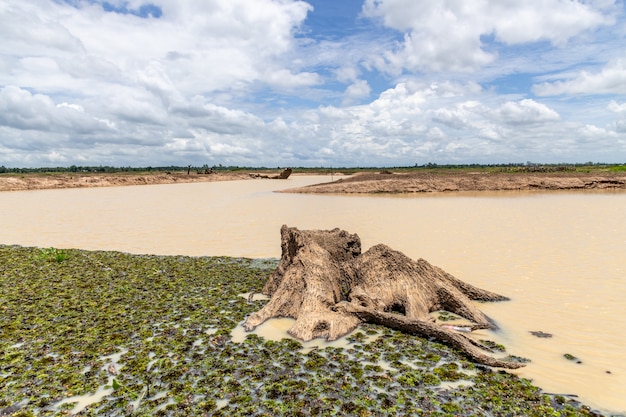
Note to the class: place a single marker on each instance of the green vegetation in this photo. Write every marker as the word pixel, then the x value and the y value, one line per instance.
pixel 572 358
pixel 427 167
pixel 53 255
pixel 618 168
pixel 151 336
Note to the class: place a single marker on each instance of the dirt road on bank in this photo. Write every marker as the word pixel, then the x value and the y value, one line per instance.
pixel 396 183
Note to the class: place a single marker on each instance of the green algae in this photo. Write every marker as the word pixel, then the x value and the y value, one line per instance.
pixel 152 335
pixel 572 358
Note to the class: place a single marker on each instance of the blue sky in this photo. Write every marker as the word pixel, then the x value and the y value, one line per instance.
pixel 317 83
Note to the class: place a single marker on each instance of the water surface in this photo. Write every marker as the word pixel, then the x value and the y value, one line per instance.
pixel 560 256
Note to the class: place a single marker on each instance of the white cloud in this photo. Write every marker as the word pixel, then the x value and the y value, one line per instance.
pixel 435 133
pixel 283 78
pixel 347 73
pixel 610 80
pixel 416 123
pixel 596 132
pixel 555 20
pixel 154 78
pixel 407 96
pixel 526 112
pixel 32 28
pixel 19 109
pixel 618 125
pixel 228 150
pixel 244 82
pixel 455 118
pixel 217 119
pixel 201 46
pixel 616 107
pixel 410 123
pixel 446 35
pixel 359 89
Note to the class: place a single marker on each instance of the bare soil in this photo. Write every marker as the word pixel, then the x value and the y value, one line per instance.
pixel 428 182
pixel 13 182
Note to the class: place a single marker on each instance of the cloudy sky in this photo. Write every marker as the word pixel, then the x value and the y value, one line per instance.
pixel 311 83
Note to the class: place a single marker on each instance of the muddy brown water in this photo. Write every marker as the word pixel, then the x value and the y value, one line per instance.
pixel 560 256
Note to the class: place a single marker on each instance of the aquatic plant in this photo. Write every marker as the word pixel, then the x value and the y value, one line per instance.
pixel 118 334
pixel 572 358
pixel 53 255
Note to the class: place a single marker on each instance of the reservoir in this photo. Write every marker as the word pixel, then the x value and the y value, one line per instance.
pixel 559 256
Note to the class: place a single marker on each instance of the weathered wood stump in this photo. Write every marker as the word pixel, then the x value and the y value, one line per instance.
pixel 286 173
pixel 326 284
pixel 283 175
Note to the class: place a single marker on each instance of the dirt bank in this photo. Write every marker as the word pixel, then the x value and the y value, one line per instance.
pixel 360 183
pixel 14 182
pixel 372 183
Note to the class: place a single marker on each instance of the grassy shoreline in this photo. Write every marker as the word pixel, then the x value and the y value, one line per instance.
pixel 151 335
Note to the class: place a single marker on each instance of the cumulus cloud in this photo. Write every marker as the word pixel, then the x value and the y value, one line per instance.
pixel 526 112
pixel 461 116
pixel 359 89
pixel 217 119
pixel 282 78
pixel 32 28
pixel 417 123
pixel 216 44
pixel 610 80
pixel 614 106
pixel 446 35
pixel 618 125
pixel 19 109
pixel 107 73
pixel 246 82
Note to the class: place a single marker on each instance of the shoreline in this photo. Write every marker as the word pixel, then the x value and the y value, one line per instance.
pixel 385 182
pixel 26 182
pixel 191 319
pixel 428 182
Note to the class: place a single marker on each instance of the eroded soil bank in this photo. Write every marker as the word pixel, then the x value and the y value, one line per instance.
pixel 24 182
pixel 360 183
pixel 373 183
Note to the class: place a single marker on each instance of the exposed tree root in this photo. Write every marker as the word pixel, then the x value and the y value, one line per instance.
pixel 467 345
pixel 326 284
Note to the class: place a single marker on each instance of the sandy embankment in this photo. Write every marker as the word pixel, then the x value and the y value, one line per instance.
pixel 361 183
pixel 81 180
pixel 370 183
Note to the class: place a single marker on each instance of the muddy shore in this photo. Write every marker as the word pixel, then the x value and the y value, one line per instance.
pixel 24 182
pixel 395 183
pixel 360 183
pixel 153 336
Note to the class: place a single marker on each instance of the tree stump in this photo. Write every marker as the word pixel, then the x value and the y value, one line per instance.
pixel 283 175
pixel 326 284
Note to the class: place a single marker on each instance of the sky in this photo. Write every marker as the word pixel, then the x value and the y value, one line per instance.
pixel 317 83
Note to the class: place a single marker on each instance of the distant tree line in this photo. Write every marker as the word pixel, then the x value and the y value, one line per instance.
pixel 510 167
pixel 104 168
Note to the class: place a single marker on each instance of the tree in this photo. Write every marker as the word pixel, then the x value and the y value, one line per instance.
pixel 329 287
